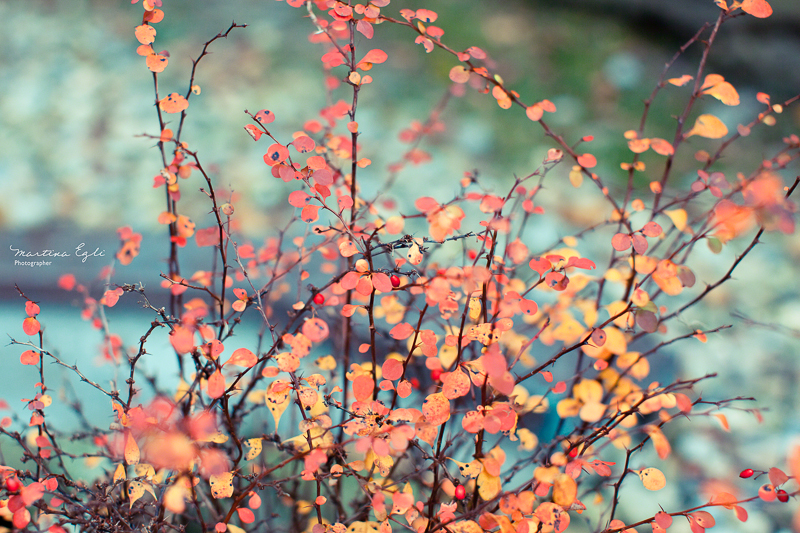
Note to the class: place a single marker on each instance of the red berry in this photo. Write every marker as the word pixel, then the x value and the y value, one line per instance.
pixel 436 374
pixel 13 484
pixel 395 281
pixel 319 299
pixel 472 254
pixel 573 452
pixel 746 473
pixel 783 496
pixel 461 492
pixel 414 383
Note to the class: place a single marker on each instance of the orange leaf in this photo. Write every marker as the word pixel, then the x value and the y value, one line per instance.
pixel 216 384
pixel 587 161
pixel 708 126
pixel 535 112
pixel 683 80
pixel 661 146
pixel 716 86
pixel 757 8
pixel 145 34
pixel 29 357
pixel 173 103
pixel 373 56
pixel 436 409
pixel 156 62
pixel 456 384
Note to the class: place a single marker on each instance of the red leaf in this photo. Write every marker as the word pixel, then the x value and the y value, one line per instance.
pixel 581 262
pixel 639 243
pixel 621 242
pixel 652 229
pixel 31 326
pixel 392 369
pixel 598 337
pixel 363 386
pixel 31 308
pixel 401 331
pixel 365 28
pixel 777 477
pixel 316 329
pixel 265 116
pixel 246 515
pixel 207 236
pixel 663 520
pixel 381 282
pixel 29 357
pixel 540 265
pixel 242 357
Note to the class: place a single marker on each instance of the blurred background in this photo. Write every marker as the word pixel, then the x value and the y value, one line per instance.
pixel 75 99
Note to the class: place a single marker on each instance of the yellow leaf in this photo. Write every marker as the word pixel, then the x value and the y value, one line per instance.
pixel 119 473
pixel 469 470
pixel 222 485
pixel 135 491
pixel 277 400
pixel 489 486
pixel 592 411
pixel 326 363
pixel 716 86
pixel 131 449
pixel 144 470
pixel 254 448
pixel 652 478
pixel 565 490
pixel 218 438
pixel 708 126
pixel 176 495
pixel 528 440
pixel 678 218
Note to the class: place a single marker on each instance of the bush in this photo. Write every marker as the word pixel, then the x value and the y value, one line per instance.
pixel 427 364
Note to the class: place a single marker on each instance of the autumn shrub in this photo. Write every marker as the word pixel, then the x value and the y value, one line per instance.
pixel 421 363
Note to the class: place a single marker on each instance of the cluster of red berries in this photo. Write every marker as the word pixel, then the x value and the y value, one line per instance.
pixel 766 492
